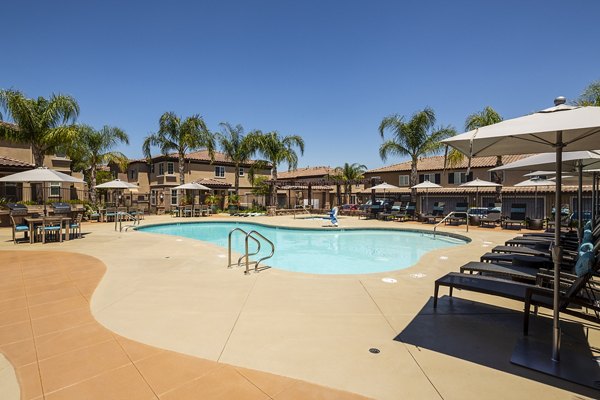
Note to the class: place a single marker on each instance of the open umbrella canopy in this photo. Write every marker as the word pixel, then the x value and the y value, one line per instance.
pixel 535 182
pixel 576 128
pixel 533 133
pixel 384 186
pixel 426 185
pixel 117 184
pixel 570 161
pixel 192 186
pixel 41 174
pixel 480 183
pixel 540 173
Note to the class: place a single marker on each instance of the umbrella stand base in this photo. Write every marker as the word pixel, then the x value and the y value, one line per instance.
pixel 576 364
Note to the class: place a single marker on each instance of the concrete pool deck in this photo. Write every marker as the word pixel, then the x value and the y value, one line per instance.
pixel 177 294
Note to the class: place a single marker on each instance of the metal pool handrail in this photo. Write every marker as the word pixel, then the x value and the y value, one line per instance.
pixel 229 263
pixel 449 215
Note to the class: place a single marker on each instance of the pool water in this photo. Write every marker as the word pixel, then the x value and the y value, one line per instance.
pixel 320 251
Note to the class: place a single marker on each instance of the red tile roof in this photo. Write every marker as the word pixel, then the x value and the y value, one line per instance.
pixel 12 163
pixel 437 163
pixel 306 172
pixel 201 155
pixel 213 183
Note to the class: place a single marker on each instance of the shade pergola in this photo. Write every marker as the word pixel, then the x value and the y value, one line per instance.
pixel 557 127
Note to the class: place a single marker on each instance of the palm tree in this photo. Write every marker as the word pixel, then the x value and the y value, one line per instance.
pixel 94 148
pixel 590 96
pixel 180 136
pixel 275 150
pixel 348 173
pixel 237 147
pixel 488 116
pixel 45 124
pixel 415 138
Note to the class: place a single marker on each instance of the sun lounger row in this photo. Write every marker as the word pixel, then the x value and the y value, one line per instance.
pixel 520 271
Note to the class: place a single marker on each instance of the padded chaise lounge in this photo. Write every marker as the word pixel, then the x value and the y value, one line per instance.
pixel 571 293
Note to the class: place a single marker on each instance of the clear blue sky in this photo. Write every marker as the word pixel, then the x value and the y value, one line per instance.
pixel 326 70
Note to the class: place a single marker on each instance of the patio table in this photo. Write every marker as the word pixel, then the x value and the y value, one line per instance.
pixel 32 221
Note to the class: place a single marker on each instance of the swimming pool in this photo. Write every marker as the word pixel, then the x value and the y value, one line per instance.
pixel 320 251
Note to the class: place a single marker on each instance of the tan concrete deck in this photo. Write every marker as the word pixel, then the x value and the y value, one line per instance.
pixel 176 294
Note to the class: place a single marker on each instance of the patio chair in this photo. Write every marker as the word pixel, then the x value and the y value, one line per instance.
pixel 51 227
pixel 572 291
pixel 188 211
pixel 437 214
pixel 111 214
pixel 491 220
pixel 75 226
pixel 18 226
pixel 517 216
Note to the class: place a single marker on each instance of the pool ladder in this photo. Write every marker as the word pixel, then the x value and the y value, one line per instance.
pixel 255 236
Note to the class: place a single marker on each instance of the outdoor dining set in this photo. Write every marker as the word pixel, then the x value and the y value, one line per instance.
pixel 56 225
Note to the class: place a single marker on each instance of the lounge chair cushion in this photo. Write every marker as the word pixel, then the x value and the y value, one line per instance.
pixel 587 236
pixel 585 247
pixel 584 264
pixel 21 228
pixel 588 226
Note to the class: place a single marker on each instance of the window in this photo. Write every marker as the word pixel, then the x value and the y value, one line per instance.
pixel 54 189
pixel 170 168
pixel 241 172
pixel 132 174
pixel 219 171
pixel 153 197
pixel 433 178
pixel 404 180
pixel 460 177
pixel 161 168
pixel 151 168
pixel 174 197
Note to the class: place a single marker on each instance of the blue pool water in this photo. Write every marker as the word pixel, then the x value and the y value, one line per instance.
pixel 350 251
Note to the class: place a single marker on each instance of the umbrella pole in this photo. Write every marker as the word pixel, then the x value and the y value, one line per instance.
pixel 580 202
pixel 557 250
pixel 593 200
pixel 535 214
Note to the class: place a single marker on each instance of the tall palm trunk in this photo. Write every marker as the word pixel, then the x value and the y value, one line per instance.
pixel 93 183
pixel 414 176
pixel 181 165
pixel 499 179
pixel 273 186
pixel 38 155
pixel 237 179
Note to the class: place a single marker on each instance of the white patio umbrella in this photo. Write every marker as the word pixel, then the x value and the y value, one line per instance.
pixel 41 175
pixel 553 128
pixel 426 184
pixel 118 185
pixel 572 161
pixel 535 182
pixel 384 186
pixel 477 183
pixel 540 173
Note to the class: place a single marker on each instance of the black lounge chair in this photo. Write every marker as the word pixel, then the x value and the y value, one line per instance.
pixel 517 216
pixel 459 214
pixel 436 215
pixel 572 292
pixel 491 220
pixel 409 212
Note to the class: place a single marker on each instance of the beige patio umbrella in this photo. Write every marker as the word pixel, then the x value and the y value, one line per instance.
pixel 40 175
pixel 554 128
pixel 120 185
pixel 384 186
pixel 192 186
pixel 477 183
pixel 426 184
